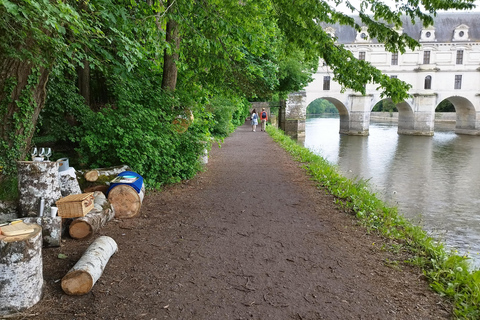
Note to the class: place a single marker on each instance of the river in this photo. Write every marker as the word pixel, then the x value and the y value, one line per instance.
pixel 434 181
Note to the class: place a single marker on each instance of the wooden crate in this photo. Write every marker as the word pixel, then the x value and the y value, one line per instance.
pixel 75 205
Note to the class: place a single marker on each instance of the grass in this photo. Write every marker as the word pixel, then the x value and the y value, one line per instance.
pixel 448 274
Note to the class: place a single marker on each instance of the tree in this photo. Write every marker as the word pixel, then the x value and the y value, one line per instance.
pixel 200 49
pixel 37 36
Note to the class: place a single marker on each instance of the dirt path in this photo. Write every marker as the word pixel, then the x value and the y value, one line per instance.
pixel 250 238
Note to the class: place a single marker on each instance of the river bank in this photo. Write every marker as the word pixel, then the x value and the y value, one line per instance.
pixel 448 273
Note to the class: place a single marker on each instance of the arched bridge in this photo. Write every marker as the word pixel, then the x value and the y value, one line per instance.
pixel 416 116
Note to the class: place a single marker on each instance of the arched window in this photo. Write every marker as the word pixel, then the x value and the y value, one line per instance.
pixel 428 82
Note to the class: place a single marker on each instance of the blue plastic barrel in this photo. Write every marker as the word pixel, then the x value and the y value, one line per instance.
pixel 137 184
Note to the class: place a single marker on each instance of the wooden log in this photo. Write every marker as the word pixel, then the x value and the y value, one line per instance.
pixel 37 180
pixel 85 273
pixel 103 188
pixel 109 173
pixel 126 200
pixel 21 271
pixel 91 175
pixel 102 212
pixel 51 229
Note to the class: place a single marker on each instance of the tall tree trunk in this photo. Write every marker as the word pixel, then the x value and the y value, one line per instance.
pixel 84 81
pixel 22 97
pixel 171 55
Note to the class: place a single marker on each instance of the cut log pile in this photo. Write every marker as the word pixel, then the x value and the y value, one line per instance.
pixel 40 187
pixel 99 179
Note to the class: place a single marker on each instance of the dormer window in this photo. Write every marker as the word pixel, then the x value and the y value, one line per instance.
pixel 461 33
pixel 428 34
pixel 363 36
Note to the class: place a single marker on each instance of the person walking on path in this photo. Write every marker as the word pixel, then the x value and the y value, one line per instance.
pixel 263 118
pixel 254 118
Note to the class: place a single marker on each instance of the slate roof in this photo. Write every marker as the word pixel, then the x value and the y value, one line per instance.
pixel 444 24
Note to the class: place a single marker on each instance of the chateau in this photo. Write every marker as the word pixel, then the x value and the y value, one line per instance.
pixel 445 66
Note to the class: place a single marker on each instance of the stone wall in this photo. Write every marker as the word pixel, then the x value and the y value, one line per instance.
pixel 387 116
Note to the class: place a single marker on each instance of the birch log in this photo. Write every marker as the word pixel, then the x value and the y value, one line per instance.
pixel 21 271
pixel 85 273
pixel 126 200
pixel 51 229
pixel 37 180
pixel 102 212
pixel 109 173
pixel 69 183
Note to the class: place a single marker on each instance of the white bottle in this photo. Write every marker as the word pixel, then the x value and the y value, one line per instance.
pixel 42 207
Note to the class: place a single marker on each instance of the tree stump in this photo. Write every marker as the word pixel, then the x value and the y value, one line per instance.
pixel 102 212
pixel 51 229
pixel 37 180
pixel 85 273
pixel 21 271
pixel 69 183
pixel 126 200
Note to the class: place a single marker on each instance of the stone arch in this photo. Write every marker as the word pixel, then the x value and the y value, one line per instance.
pixel 466 115
pixel 342 111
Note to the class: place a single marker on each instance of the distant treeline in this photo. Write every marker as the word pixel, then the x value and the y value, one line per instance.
pixel 319 106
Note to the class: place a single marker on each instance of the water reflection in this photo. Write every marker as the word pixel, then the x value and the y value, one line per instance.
pixel 431 179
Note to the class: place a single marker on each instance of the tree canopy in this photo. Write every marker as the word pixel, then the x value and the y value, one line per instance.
pixel 78 70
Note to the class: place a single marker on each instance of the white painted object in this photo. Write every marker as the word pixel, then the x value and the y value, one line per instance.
pixel 53 211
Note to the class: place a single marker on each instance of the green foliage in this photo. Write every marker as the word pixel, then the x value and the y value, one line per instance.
pixel 227 114
pixel 17 125
pixel 445 106
pixel 449 274
pixel 230 50
pixel 64 106
pixel 320 106
pixel 139 131
pixel 9 188
pixel 385 106
pixel 294 72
